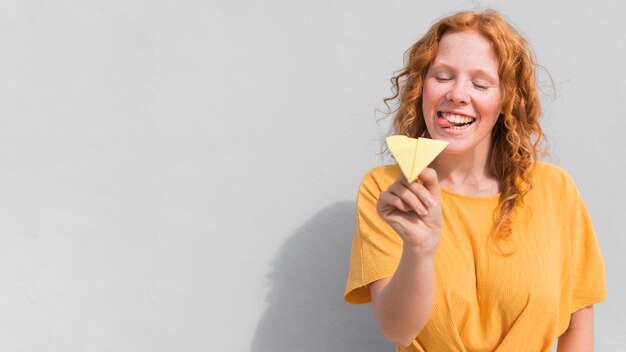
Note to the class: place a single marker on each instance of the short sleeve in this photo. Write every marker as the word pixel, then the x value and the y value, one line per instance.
pixel 376 248
pixel 586 272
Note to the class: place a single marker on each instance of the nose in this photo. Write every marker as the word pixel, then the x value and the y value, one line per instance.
pixel 458 94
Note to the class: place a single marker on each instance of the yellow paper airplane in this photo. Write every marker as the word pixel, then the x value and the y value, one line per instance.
pixel 414 155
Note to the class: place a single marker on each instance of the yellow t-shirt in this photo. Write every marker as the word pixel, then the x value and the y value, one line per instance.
pixel 485 301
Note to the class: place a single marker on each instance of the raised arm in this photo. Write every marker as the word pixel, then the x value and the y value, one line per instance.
pixel 402 304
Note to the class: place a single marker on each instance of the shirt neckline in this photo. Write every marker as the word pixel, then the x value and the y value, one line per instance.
pixel 465 196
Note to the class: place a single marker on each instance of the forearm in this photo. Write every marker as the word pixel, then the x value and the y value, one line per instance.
pixel 403 307
pixel 579 335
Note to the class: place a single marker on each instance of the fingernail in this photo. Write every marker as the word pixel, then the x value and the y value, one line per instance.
pixel 431 201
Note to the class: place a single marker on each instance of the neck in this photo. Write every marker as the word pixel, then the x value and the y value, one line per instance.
pixel 466 174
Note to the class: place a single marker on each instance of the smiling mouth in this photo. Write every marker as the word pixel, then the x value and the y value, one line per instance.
pixel 454 121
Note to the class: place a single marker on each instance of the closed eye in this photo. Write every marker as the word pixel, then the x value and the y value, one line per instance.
pixel 481 86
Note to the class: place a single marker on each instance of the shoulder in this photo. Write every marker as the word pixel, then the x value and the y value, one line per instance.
pixel 381 177
pixel 550 175
pixel 551 181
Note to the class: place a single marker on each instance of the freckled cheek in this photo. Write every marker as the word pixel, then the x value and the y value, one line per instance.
pixel 488 107
pixel 430 98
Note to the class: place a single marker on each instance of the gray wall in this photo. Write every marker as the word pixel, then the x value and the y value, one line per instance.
pixel 181 175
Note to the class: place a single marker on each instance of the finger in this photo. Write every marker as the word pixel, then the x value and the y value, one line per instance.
pixel 388 202
pixel 408 197
pixel 400 222
pixel 429 178
pixel 422 193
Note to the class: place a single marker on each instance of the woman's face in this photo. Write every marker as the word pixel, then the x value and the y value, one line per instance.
pixel 461 99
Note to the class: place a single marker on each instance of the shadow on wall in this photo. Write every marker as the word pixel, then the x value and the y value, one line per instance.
pixel 306 311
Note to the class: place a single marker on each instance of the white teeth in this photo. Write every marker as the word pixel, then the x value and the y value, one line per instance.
pixel 459 127
pixel 454 118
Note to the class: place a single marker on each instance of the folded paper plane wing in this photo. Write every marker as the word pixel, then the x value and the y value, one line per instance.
pixel 414 155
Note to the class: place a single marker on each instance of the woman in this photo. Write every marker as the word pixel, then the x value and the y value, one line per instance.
pixel 492 250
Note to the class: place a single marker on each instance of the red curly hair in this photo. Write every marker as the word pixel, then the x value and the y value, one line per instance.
pixel 517 134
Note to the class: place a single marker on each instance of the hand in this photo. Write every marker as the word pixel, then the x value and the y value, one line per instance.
pixel 414 211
